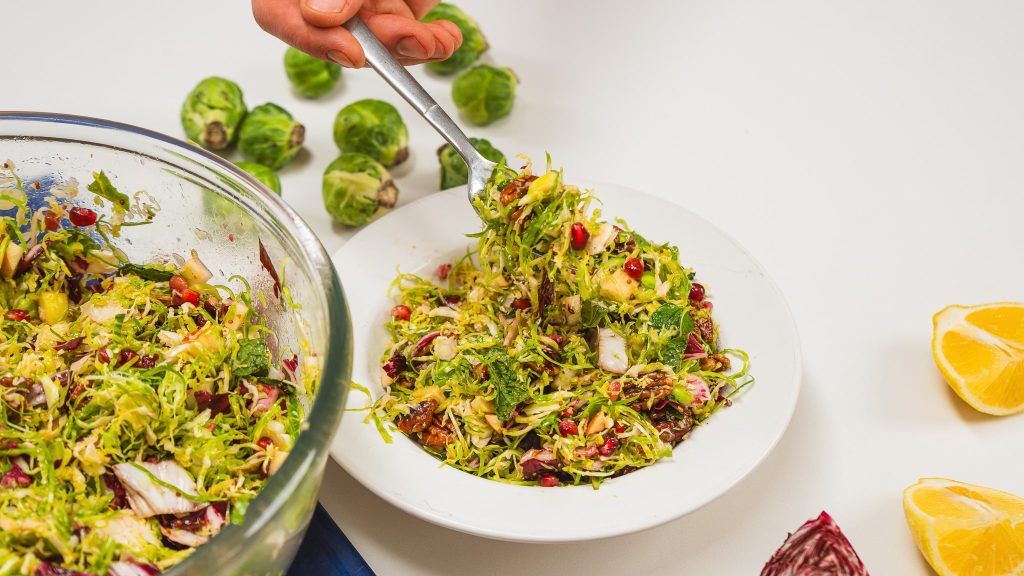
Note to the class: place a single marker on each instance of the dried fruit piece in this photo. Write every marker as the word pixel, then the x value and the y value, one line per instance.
pixel 817 547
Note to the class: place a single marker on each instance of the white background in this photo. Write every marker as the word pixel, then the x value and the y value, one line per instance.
pixel 868 153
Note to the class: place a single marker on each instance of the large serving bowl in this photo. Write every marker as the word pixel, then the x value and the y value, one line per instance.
pixel 207 204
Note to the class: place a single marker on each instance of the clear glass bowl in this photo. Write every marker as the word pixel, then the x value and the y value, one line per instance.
pixel 207 204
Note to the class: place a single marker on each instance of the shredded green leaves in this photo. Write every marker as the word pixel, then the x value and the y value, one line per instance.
pixel 563 349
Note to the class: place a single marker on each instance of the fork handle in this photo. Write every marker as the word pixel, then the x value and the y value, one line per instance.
pixel 378 58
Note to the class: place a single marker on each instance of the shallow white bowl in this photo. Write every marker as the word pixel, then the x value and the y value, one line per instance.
pixel 749 308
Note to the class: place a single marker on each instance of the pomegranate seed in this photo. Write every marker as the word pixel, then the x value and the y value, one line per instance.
pixel 16 315
pixel 548 480
pixel 126 356
pixel 178 284
pixel 558 339
pixel 264 442
pixel 567 413
pixel 51 221
pixel 609 446
pixel 697 292
pixel 443 270
pixel 82 216
pixel 614 387
pixel 190 296
pixel 707 305
pixel 521 303
pixel 103 355
pixel 231 237
pixel 578 236
pixel 620 427
pixel 634 268
pixel 568 428
pixel 453 299
pixel 401 312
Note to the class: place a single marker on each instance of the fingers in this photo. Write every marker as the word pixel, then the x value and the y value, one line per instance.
pixel 285 19
pixel 329 13
pixel 421 7
pixel 415 42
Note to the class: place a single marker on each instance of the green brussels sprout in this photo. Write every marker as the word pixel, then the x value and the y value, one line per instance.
pixel 357 189
pixel 484 93
pixel 311 77
pixel 374 128
pixel 212 112
pixel 265 175
pixel 270 136
pixel 454 171
pixel 473 42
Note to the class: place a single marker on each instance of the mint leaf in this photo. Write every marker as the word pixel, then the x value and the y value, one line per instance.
pixel 666 316
pixel 102 187
pixel 686 326
pixel 672 352
pixel 252 359
pixel 510 390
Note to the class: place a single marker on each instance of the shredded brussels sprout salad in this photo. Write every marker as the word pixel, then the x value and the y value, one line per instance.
pixel 141 408
pixel 563 350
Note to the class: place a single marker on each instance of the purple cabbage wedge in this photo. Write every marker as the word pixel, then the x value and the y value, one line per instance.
pixel 818 548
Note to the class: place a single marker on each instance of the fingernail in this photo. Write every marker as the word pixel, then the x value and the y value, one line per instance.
pixel 339 57
pixel 326 5
pixel 411 48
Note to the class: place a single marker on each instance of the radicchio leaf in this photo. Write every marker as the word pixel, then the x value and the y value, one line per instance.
pixel 818 547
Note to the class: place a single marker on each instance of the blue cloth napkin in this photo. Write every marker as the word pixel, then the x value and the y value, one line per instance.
pixel 326 551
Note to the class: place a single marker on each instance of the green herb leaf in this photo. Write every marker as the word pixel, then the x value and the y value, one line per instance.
pixel 510 390
pixel 252 359
pixel 672 352
pixel 102 187
pixel 666 316
pixel 686 326
pixel 146 272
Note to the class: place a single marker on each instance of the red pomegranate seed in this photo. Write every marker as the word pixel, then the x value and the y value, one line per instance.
pixel 609 446
pixel 453 299
pixel 126 356
pixel 614 388
pixel 578 236
pixel 82 216
pixel 558 339
pixel 51 221
pixel 264 442
pixel 401 312
pixel 548 480
pixel 443 270
pixel 697 292
pixel 16 315
pixel 634 268
pixel 707 305
pixel 521 303
pixel 620 427
pixel 190 296
pixel 103 355
pixel 178 284
pixel 567 413
pixel 568 428
pixel 480 371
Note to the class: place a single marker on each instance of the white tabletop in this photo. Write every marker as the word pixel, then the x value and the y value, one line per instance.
pixel 868 153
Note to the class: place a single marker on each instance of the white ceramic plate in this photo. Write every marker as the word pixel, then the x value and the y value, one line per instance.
pixel 749 308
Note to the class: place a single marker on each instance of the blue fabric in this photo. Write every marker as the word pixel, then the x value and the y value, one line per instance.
pixel 326 551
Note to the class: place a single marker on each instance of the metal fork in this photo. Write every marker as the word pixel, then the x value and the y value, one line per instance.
pixel 378 58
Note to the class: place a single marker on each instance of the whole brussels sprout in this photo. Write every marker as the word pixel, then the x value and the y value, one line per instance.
pixel 473 42
pixel 212 112
pixel 265 175
pixel 484 93
pixel 311 77
pixel 357 189
pixel 374 128
pixel 454 171
pixel 270 136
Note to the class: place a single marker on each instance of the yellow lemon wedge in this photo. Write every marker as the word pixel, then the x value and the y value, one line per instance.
pixel 966 530
pixel 980 351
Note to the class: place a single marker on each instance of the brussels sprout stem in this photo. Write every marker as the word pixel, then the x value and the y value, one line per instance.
pixel 215 135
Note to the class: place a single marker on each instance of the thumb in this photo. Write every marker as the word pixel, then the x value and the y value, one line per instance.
pixel 329 13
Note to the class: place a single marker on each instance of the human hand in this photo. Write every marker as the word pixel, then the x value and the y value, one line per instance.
pixel 314 26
